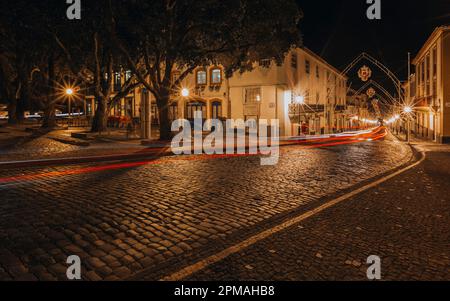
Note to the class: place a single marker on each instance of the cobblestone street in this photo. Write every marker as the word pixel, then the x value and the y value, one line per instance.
pixel 139 219
pixel 405 222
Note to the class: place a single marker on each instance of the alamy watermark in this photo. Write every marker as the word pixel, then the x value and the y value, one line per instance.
pixel 374 270
pixel 74 269
pixel 374 10
pixel 232 137
pixel 74 10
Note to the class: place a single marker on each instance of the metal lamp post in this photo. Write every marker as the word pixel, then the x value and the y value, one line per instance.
pixel 300 102
pixel 408 111
pixel 435 108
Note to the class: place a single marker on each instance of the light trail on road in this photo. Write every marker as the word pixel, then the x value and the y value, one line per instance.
pixel 317 142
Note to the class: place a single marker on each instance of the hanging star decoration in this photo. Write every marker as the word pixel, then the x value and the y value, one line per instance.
pixel 371 92
pixel 365 73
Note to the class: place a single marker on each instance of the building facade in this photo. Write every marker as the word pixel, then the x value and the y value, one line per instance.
pixel 432 87
pixel 305 93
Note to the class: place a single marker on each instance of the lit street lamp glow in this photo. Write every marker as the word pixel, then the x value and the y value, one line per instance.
pixel 69 91
pixel 185 92
pixel 300 100
pixel 408 110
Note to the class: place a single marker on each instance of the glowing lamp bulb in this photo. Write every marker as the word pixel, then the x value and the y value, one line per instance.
pixel 300 100
pixel 408 110
pixel 185 92
pixel 69 91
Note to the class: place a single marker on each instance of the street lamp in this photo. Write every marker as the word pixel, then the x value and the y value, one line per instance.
pixel 185 92
pixel 69 91
pixel 300 100
pixel 435 107
pixel 408 110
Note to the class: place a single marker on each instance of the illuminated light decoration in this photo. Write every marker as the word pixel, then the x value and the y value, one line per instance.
pixel 365 73
pixel 371 92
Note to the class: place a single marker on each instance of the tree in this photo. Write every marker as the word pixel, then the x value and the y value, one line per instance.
pixel 156 37
pixel 16 57
pixel 94 62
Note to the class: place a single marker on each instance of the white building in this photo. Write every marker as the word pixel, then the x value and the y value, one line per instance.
pixel 304 93
pixel 432 87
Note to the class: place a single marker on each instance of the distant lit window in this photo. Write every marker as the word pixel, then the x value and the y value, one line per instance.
pixel 216 76
pixel 201 78
pixel 265 63
pixel 317 72
pixel 128 75
pixel 434 62
pixel 307 67
pixel 252 95
pixel 294 60
pixel 117 81
pixel 216 108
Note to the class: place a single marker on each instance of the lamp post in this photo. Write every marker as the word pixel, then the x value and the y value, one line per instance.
pixel 408 111
pixel 69 93
pixel 435 108
pixel 300 100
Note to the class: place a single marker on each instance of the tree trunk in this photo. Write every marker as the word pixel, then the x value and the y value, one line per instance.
pixel 12 108
pixel 20 110
pixel 164 124
pixel 100 122
pixel 49 110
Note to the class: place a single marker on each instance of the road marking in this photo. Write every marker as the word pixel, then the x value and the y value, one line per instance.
pixel 202 264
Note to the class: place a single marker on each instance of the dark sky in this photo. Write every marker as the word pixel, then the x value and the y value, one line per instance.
pixel 339 30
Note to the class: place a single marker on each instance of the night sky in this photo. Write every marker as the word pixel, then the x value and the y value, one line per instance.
pixel 339 30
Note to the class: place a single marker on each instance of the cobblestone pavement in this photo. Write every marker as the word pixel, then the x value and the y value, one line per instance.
pixel 146 217
pixel 22 146
pixel 406 222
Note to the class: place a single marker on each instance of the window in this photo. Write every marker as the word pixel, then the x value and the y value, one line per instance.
pixel 428 69
pixel 265 63
pixel 317 97
pixel 317 72
pixel 117 81
pixel 193 107
pixel 422 69
pixel 216 110
pixel 307 67
pixel 175 76
pixel 434 62
pixel 201 77
pixel 173 111
pixel 252 95
pixel 216 76
pixel 128 75
pixel 294 62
